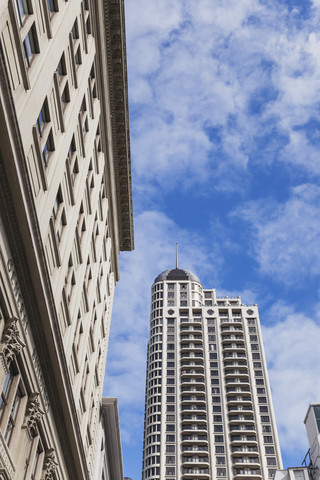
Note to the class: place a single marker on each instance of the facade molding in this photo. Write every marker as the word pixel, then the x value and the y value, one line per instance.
pixel 117 69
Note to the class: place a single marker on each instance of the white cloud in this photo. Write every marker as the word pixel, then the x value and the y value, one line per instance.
pixel 286 236
pixel 293 355
pixel 201 68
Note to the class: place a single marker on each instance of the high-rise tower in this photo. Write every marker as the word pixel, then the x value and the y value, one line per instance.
pixel 208 409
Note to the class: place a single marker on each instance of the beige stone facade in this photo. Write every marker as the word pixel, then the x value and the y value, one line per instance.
pixel 65 214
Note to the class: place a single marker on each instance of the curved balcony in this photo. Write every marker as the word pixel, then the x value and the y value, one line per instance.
pixel 193 438
pixel 200 449
pixel 238 347
pixel 232 374
pixel 246 462
pixel 232 337
pixel 194 337
pixel 193 408
pixel 240 408
pixel 189 461
pixel 245 450
pixel 245 473
pixel 192 388
pixel 242 429
pixel 233 355
pixel 198 472
pixel 240 419
pixel 193 399
pixel 193 428
pixel 192 362
pixel 243 439
pixel 190 327
pixel 189 382
pixel 238 389
pixel 191 347
pixel 241 379
pixel 194 418
pixel 190 377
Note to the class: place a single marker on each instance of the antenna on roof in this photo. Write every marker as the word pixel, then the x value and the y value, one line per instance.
pixel 176 255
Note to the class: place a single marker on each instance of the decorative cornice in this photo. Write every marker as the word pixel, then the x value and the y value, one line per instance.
pixel 33 411
pixel 117 66
pixel 49 465
pixel 11 344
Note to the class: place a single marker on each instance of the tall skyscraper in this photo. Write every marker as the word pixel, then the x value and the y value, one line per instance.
pixel 208 410
pixel 65 214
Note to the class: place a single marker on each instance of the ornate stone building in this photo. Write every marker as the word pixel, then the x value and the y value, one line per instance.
pixel 65 214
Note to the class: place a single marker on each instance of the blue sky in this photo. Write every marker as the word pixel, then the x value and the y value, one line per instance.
pixel 225 132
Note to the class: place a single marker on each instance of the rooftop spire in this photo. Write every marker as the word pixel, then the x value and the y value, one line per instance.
pixel 176 255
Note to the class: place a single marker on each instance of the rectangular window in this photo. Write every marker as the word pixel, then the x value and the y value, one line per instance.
pixel 221 472
pixel 52 6
pixel 269 450
pixel 219 449
pixel 43 117
pixel 268 439
pixel 65 97
pixel 316 410
pixel 5 393
pixel 262 399
pixel 30 45
pixel 48 148
pixel 171 428
pixel 265 419
pixel 170 448
pixel 171 399
pixel 298 474
pixel 22 10
pixel 218 438
pixel 13 416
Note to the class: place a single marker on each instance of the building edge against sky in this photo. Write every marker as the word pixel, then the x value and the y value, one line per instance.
pixel 310 467
pixel 65 214
pixel 208 407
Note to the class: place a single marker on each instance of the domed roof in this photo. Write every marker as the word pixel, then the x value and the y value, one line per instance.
pixel 177 274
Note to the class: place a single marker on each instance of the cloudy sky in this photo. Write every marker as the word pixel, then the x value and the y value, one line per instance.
pixel 225 133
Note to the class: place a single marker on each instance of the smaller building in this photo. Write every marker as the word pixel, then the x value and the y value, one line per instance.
pixel 109 460
pixel 310 469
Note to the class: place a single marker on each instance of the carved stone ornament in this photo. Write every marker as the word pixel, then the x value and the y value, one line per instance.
pixel 49 465
pixel 11 344
pixel 33 411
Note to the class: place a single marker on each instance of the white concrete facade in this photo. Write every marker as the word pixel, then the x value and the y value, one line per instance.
pixel 208 411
